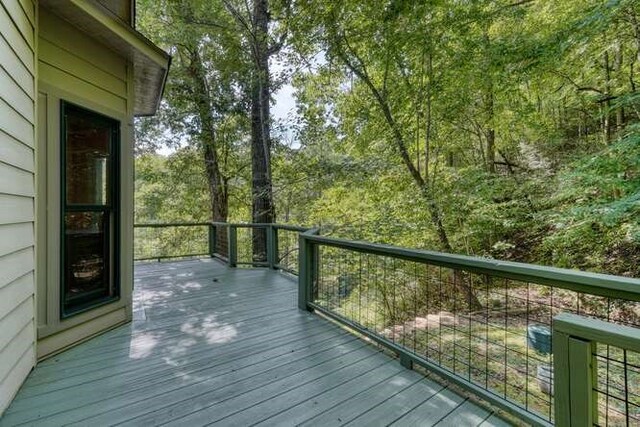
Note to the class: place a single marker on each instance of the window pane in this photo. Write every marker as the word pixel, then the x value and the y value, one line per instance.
pixel 88 142
pixel 86 258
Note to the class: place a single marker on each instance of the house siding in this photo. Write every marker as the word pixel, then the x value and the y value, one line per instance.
pixel 75 68
pixel 17 166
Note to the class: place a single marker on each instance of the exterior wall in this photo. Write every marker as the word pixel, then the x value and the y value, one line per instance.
pixel 75 68
pixel 17 167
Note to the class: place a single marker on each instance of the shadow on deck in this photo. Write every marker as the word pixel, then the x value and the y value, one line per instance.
pixel 213 345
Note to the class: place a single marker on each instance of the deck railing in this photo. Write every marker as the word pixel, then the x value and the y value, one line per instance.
pixel 483 324
pixel 233 243
pixel 171 240
pixel 597 371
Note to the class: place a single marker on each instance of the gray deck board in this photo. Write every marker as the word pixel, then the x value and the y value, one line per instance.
pixel 213 345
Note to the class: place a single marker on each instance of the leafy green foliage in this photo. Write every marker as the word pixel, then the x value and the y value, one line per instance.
pixel 521 120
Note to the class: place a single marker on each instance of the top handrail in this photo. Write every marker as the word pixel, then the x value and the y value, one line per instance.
pixel 171 224
pixel 580 281
pixel 593 283
pixel 597 330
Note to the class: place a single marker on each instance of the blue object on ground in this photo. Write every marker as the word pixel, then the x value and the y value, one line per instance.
pixel 539 337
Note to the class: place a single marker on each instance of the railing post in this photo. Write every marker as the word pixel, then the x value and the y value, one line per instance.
pixel 272 246
pixel 213 240
pixel 233 245
pixel 307 261
pixel 574 379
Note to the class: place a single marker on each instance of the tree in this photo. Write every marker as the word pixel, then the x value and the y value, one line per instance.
pixel 254 21
pixel 204 101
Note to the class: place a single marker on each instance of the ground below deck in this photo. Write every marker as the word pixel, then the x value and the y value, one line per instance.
pixel 213 345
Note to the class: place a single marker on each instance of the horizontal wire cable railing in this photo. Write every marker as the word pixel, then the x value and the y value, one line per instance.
pixel 239 244
pixel 170 241
pixel 483 324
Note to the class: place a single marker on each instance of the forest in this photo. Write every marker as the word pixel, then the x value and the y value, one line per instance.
pixel 502 129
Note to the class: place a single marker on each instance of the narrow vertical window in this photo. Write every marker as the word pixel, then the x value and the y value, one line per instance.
pixel 89 203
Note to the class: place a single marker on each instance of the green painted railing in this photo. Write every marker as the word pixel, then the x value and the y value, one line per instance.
pixel 229 242
pixel 478 322
pixel 583 348
pixel 483 324
pixel 171 240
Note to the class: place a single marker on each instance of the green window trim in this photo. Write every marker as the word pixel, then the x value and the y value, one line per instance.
pixel 107 209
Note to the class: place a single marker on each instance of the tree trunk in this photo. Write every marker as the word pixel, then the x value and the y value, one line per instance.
pixel 261 190
pixel 428 124
pixel 218 190
pixel 490 132
pixel 620 119
pixel 607 107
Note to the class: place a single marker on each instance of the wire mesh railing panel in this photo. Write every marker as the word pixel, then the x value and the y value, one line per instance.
pixel 165 241
pixel 288 250
pixel 221 241
pixel 487 330
pixel 617 387
pixel 252 245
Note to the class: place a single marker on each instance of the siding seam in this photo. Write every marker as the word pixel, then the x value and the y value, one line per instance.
pixel 106 71
pixel 3 162
pixel 16 279
pixel 69 73
pixel 15 24
pixel 16 139
pixel 19 249
pixel 15 81
pixel 14 310
pixel 16 111
pixel 17 55
pixel 33 24
pixel 19 359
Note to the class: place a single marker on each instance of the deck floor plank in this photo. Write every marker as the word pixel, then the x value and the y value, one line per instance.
pixel 213 345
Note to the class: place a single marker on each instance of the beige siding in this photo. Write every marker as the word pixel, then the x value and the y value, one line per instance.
pixel 17 127
pixel 76 68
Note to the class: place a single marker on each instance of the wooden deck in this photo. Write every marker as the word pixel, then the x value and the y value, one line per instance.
pixel 213 345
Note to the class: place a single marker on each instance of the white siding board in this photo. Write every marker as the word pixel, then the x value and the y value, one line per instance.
pixel 16 69
pixel 29 10
pixel 16 153
pixel 17 164
pixel 22 22
pixel 15 181
pixel 15 237
pixel 15 265
pixel 16 97
pixel 14 124
pixel 15 293
pixel 10 385
pixel 13 322
pixel 16 40
pixel 17 346
pixel 15 209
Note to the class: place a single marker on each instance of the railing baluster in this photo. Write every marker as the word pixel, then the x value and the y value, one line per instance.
pixel 582 372
pixel 307 264
pixel 213 240
pixel 272 246
pixel 233 245
pixel 561 383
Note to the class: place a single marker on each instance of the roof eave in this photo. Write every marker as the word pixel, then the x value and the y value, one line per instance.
pixel 150 63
